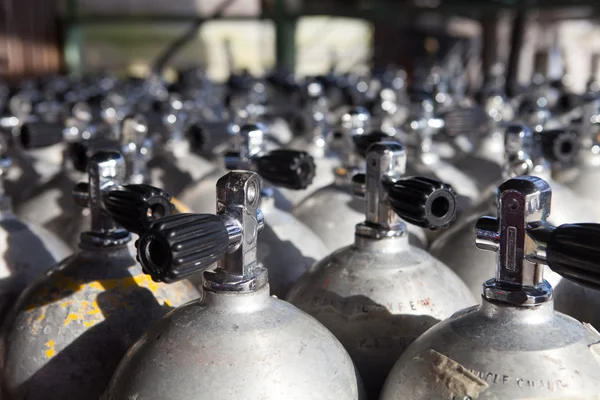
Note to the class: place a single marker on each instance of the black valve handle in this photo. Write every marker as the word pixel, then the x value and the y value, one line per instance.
pixel 559 145
pixel 290 169
pixel 40 134
pixel 206 137
pixel 135 207
pixel 182 245
pixel 363 142
pixel 80 152
pixel 423 202
pixel 574 252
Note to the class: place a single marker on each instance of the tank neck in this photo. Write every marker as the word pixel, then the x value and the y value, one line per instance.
pixel 91 248
pixel 237 302
pixel 389 245
pixel 93 240
pixel 530 315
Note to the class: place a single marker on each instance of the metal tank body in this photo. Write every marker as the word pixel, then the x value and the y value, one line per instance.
pixel 377 300
pixel 238 342
pixel 381 293
pixel 68 332
pixel 514 345
pixel 32 169
pixel 28 251
pixel 286 354
pixel 52 206
pixel 179 174
pixel 583 179
pixel 495 352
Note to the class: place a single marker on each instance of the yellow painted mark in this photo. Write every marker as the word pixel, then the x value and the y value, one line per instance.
pixel 41 317
pixel 70 318
pixel 50 345
pixel 116 298
pixel 95 310
pixel 180 208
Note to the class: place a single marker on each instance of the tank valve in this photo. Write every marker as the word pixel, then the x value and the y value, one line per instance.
pixel 525 242
pixel 290 169
pixel 389 197
pixel 117 210
pixel 181 245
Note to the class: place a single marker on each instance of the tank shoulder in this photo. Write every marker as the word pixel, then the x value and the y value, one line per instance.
pixel 271 336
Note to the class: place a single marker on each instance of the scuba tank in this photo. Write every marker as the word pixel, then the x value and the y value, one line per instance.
pixel 381 293
pixel 484 164
pixel 174 166
pixel 52 204
pixel 316 142
pixel 196 351
pixel 452 247
pixel 582 176
pixel 28 250
pixel 514 345
pixel 68 331
pixel 419 132
pixel 288 247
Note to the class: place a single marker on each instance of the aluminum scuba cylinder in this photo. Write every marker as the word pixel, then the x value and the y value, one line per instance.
pixel 68 331
pixel 484 164
pixel 425 160
pixel 316 142
pixel 52 204
pixel 381 293
pixel 514 345
pixel 582 177
pixel 195 352
pixel 288 247
pixel 248 100
pixel 175 167
pixel 28 250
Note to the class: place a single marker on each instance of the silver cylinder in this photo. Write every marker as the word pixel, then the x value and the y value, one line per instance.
pixel 236 346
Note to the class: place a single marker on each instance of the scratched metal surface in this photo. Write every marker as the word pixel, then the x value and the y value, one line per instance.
pixel 236 346
pixel 67 332
pixel 510 353
pixel 28 252
pixel 376 303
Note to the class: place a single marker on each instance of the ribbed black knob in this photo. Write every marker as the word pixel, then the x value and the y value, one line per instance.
pixel 574 252
pixel 40 134
pixel 559 145
pixel 423 202
pixel 287 168
pixel 181 245
pixel 135 207
pixel 362 142
pixel 205 137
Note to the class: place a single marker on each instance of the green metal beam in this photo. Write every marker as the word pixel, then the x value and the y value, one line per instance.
pixel 73 47
pixel 285 37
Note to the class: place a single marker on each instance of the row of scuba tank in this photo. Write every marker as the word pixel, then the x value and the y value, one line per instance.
pixel 334 238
